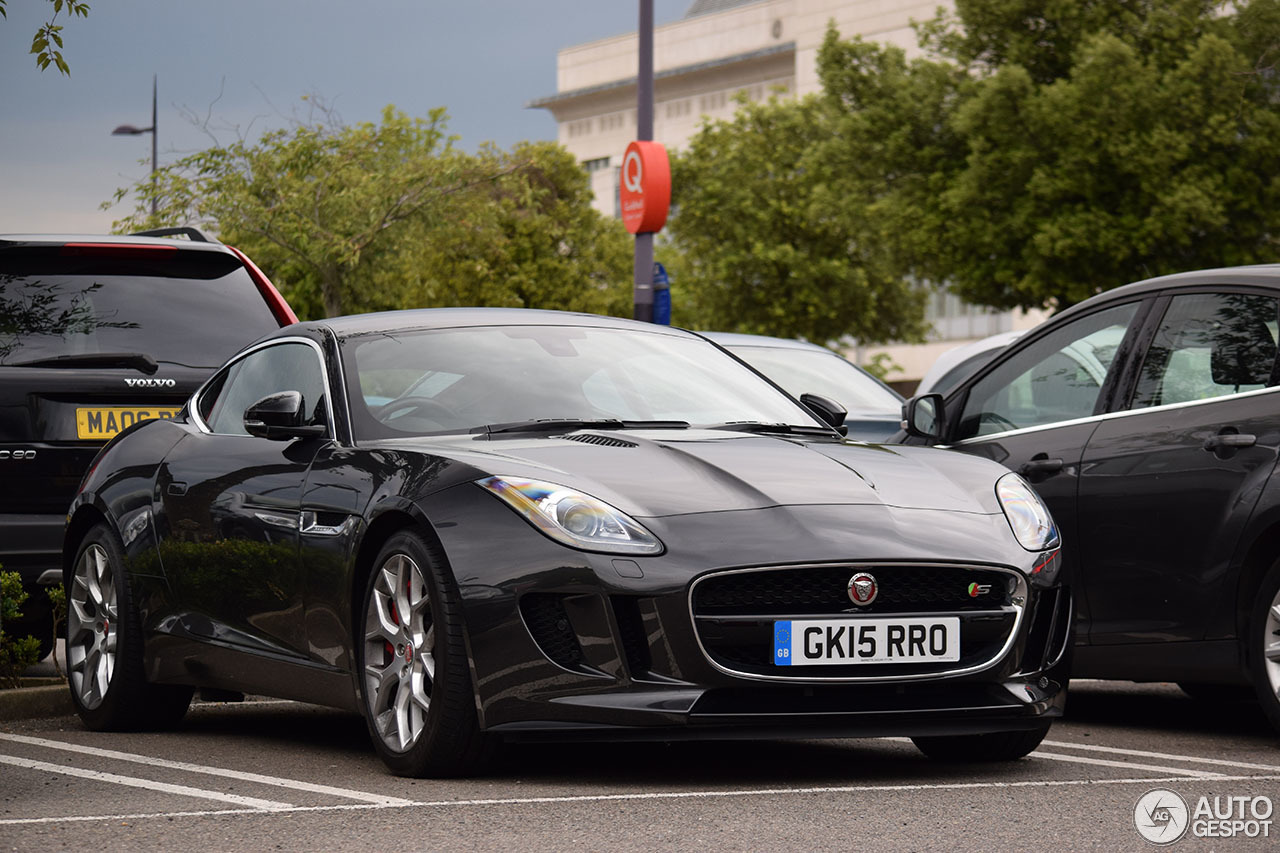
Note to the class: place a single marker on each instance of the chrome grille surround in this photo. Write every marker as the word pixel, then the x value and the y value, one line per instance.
pixel 1015 606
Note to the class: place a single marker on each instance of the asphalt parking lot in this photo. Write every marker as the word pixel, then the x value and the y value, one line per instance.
pixel 279 775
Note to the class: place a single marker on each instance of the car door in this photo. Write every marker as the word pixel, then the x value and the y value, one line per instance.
pixel 230 510
pixel 1034 408
pixel 1168 485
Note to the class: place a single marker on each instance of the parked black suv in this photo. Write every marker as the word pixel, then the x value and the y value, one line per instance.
pixel 98 333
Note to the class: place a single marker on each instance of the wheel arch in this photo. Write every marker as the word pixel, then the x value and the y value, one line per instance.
pixel 406 516
pixel 1263 553
pixel 402 516
pixel 85 518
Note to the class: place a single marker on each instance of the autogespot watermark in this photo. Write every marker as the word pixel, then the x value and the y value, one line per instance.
pixel 1163 817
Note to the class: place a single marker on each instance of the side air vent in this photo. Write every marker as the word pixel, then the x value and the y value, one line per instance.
pixel 635 644
pixel 545 616
pixel 602 440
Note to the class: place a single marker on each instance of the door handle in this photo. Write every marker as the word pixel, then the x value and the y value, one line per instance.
pixel 1040 467
pixel 1230 441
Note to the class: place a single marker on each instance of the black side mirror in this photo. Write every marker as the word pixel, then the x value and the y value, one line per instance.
pixel 925 417
pixel 280 416
pixel 828 411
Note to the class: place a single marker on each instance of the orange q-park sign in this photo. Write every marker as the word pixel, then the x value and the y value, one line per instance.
pixel 645 192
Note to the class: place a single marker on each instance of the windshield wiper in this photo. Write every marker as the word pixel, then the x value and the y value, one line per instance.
pixel 762 427
pixel 138 360
pixel 571 424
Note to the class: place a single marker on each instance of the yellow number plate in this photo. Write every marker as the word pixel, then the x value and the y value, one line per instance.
pixel 103 422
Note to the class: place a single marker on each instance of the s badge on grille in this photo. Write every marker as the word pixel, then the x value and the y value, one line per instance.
pixel 863 589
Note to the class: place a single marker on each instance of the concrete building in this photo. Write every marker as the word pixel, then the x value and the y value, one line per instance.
pixel 721 48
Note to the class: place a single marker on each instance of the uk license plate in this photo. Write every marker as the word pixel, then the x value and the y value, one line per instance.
pixel 102 422
pixel 815 642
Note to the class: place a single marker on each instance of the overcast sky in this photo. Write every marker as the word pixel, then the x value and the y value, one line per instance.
pixel 246 64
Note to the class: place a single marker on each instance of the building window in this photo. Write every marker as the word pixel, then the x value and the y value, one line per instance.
pixel 579 128
pixel 679 109
pixel 954 319
pixel 712 102
pixel 596 165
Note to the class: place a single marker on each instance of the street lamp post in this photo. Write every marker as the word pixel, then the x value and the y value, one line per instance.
pixel 643 262
pixel 130 130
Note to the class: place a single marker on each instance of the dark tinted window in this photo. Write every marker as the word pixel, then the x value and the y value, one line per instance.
pixel 192 308
pixel 1209 345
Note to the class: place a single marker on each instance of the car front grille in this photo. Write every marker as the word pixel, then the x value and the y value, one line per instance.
pixel 734 614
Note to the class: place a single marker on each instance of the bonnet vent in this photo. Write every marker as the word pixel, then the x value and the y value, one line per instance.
pixel 602 440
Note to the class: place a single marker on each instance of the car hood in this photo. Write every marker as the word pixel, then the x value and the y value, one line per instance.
pixel 656 473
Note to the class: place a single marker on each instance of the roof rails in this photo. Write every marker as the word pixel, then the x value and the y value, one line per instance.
pixel 190 233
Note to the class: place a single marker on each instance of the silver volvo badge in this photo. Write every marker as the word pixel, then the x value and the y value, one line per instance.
pixel 863 589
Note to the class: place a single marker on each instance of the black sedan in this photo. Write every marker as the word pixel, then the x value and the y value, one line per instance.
pixel 1148 418
pixel 476 525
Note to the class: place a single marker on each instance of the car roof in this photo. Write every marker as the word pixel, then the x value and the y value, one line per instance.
pixel 445 318
pixel 8 240
pixel 732 339
pixel 957 355
pixel 1268 274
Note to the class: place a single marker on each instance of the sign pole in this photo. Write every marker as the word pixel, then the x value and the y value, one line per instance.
pixel 643 267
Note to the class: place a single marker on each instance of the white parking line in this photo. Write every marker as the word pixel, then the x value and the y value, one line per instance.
pixel 150 785
pixel 1128 765
pixel 362 796
pixel 1192 759
pixel 662 795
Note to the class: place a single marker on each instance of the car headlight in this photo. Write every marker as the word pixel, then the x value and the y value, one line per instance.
pixel 1032 525
pixel 572 518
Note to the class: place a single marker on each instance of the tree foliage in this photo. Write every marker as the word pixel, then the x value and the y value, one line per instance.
pixel 46 44
pixel 1070 146
pixel 370 217
pixel 757 247
pixel 16 653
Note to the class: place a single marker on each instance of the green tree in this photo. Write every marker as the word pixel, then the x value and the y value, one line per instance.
pixel 757 245
pixel 1083 144
pixel 348 219
pixel 16 653
pixel 527 238
pixel 46 44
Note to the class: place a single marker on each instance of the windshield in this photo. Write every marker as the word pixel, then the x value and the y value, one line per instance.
pixel 457 380
pixel 83 311
pixel 804 371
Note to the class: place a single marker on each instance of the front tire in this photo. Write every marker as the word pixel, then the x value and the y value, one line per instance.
pixel 999 746
pixel 1263 650
pixel 418 700
pixel 104 645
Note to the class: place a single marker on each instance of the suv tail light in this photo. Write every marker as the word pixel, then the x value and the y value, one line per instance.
pixel 283 313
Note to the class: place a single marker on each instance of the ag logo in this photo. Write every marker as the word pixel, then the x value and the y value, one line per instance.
pixel 1161 816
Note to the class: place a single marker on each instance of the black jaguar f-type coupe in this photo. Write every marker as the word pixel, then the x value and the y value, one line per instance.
pixel 477 525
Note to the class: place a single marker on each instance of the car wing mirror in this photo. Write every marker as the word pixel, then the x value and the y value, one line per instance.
pixel 828 411
pixel 280 416
pixel 925 417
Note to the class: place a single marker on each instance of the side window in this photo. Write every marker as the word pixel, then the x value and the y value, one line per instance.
pixel 1209 345
pixel 1057 378
pixel 284 367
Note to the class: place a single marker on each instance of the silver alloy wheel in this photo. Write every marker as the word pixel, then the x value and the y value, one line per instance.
pixel 1271 646
pixel 92 626
pixel 399 646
